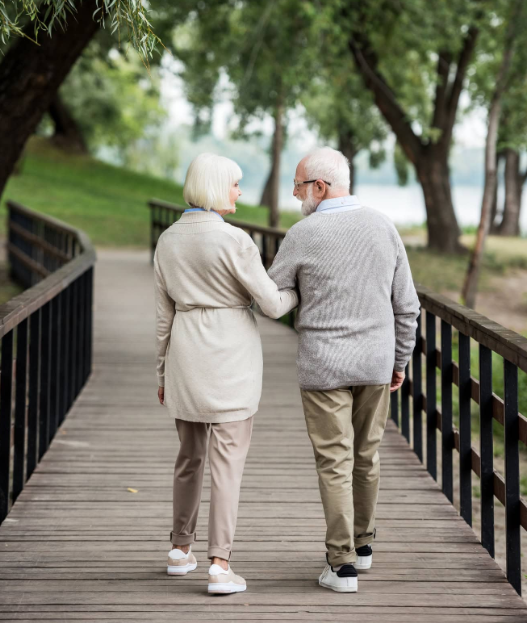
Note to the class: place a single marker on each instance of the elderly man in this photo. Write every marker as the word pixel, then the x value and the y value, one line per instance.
pixel 356 324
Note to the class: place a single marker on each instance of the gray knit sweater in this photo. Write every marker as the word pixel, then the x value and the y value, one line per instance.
pixel 358 305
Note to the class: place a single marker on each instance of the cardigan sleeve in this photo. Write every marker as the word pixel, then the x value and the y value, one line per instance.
pixel 251 273
pixel 165 312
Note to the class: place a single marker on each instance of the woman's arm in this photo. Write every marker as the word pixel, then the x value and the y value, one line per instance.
pixel 165 312
pixel 251 273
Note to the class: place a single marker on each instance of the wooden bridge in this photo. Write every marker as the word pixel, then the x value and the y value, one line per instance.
pixel 87 536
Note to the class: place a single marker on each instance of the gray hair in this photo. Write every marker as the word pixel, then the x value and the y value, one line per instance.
pixel 329 165
pixel 209 180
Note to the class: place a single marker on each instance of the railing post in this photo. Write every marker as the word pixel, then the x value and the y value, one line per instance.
pixel 512 478
pixel 34 377
pixel 45 362
pixel 394 407
pixel 486 449
pixel 20 408
pixel 405 404
pixel 6 381
pixel 446 411
pixel 417 392
pixel 465 445
pixel 431 391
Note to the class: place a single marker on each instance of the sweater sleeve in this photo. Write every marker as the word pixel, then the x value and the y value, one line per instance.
pixel 251 274
pixel 284 269
pixel 405 303
pixel 165 312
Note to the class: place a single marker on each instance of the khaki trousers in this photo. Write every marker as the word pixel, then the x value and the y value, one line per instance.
pixel 346 427
pixel 228 444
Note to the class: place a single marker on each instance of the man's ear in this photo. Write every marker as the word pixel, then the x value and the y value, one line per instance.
pixel 319 186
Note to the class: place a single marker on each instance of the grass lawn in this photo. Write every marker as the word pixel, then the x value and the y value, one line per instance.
pixel 107 202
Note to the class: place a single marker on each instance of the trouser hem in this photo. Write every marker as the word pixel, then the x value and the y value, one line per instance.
pixel 182 539
pixel 219 552
pixel 336 560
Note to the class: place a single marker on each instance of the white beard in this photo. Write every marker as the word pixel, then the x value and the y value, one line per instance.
pixel 309 205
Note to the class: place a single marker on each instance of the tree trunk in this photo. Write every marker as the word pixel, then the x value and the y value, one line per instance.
pixel 429 160
pixel 68 135
pixel 271 192
pixel 493 229
pixel 30 76
pixel 346 145
pixel 470 287
pixel 434 175
pixel 510 224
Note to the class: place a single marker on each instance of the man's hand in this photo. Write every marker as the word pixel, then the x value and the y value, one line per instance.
pixel 397 380
pixel 161 395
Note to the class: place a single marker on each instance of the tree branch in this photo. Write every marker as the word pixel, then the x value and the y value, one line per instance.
pixel 457 85
pixel 443 71
pixel 385 99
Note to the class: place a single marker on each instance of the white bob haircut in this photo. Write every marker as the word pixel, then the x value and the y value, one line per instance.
pixel 329 165
pixel 209 181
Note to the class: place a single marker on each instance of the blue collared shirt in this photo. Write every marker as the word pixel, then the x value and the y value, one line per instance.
pixel 202 210
pixel 339 204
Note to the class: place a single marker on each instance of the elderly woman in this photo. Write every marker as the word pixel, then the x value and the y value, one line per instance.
pixel 209 357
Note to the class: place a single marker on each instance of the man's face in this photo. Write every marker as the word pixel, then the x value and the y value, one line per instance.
pixel 304 192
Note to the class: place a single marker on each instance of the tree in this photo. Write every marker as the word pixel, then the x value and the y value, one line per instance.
pixel 35 64
pixel 502 76
pixel 267 50
pixel 339 108
pixel 111 99
pixel 414 58
pixel 512 132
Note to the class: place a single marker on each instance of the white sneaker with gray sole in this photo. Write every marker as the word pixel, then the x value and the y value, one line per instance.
pixel 180 563
pixel 223 582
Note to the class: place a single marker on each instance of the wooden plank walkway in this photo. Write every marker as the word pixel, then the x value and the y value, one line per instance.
pixel 80 545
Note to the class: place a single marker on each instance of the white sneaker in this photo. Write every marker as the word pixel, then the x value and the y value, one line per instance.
pixel 224 582
pixel 364 557
pixel 180 563
pixel 342 581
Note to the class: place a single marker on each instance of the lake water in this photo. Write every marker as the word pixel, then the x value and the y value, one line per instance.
pixel 405 206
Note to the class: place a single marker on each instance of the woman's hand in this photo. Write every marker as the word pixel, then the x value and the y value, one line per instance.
pixel 161 395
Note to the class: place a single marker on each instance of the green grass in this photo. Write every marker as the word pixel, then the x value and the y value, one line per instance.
pixel 109 203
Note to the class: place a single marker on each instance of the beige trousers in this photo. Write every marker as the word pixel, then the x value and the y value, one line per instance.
pixel 346 427
pixel 228 444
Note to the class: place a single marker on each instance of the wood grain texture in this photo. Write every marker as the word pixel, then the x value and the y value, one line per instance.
pixel 78 545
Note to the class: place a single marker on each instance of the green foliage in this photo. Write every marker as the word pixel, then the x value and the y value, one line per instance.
pixel 341 110
pixel 402 166
pixel 112 99
pixel 482 75
pixel 47 16
pixel 267 50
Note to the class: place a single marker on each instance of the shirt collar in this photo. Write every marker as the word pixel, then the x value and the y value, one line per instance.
pixel 350 201
pixel 188 210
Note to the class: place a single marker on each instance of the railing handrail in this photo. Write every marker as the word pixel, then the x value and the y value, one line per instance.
pixel 504 342
pixel 260 229
pixel 23 305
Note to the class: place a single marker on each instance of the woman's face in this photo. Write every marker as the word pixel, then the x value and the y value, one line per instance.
pixel 234 194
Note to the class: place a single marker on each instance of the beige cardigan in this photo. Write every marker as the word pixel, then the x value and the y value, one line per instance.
pixel 209 354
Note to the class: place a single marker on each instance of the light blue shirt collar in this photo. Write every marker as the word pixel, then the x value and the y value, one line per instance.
pixel 202 210
pixel 339 204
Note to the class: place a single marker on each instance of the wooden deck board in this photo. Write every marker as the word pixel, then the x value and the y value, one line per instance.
pixel 79 546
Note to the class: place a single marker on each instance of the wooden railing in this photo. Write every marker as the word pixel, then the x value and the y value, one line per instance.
pixel 490 337
pixel 49 326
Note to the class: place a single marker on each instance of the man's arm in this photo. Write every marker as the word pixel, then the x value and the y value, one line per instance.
pixel 285 265
pixel 405 303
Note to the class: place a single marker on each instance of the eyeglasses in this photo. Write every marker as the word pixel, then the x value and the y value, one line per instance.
pixel 298 184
